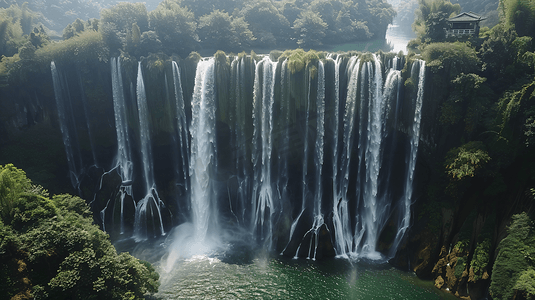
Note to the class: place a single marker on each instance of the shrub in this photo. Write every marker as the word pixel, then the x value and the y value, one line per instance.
pixel 87 46
pixel 480 260
pixel 513 260
pixel 454 58
pixel 464 161
pixel 69 257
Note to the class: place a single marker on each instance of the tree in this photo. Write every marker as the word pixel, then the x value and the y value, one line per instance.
pixel 73 29
pixel 175 26
pixel 50 248
pixel 465 161
pixel 382 13
pixel 451 58
pixel 310 29
pixel 124 14
pixel 215 29
pixel 220 31
pixel 431 19
pixel 266 23
pixel 520 15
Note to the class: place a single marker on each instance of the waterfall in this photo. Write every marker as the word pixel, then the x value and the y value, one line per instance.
pixel 67 126
pixel 150 204
pixel 341 218
pixel 313 163
pixel 263 199
pixel 405 213
pixel 372 157
pixel 342 215
pixel 239 139
pixel 202 151
pixel 181 123
pixel 284 147
pixel 123 158
pixel 318 161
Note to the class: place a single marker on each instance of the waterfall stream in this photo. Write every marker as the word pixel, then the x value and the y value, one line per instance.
pixel 307 163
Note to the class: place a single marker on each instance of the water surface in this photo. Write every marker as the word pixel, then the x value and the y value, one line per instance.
pixel 246 275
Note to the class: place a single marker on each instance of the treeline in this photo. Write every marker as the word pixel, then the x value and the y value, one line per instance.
pixel 56 14
pixel 182 26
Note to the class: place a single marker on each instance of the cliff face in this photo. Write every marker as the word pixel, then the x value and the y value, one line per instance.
pixel 457 219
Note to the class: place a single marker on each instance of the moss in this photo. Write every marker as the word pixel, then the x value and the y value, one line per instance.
pixel 460 266
pixel 513 259
pixel 298 59
pixel 481 258
pixel 462 245
pixel 275 55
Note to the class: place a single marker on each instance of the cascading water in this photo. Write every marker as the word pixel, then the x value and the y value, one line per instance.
pixel 343 217
pixel 242 177
pixel 284 128
pixel 123 159
pixel 149 206
pixel 372 159
pixel 318 161
pixel 405 213
pixel 263 202
pixel 67 126
pixel 182 128
pixel 202 155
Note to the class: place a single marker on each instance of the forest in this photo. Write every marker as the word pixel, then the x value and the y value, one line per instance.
pixel 179 27
pixel 472 229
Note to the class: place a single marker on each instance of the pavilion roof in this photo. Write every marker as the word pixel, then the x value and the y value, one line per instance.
pixel 466 17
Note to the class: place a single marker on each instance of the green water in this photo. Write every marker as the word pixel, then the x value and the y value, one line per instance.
pixel 276 277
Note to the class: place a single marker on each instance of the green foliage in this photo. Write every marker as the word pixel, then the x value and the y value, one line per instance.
pixel 464 161
pixel 13 183
pixel 266 23
pixel 175 26
pixel 481 258
pixel 219 28
pixel 15 25
pixel 124 14
pixel 454 58
pixel 498 54
pixel 310 29
pixel 469 101
pixel 87 46
pixel 72 204
pixel 513 260
pixel 431 19
pixel 460 266
pixel 462 245
pixel 525 284
pixel 298 59
pixel 520 15
pixel 516 112
pixel 73 29
pixel 69 257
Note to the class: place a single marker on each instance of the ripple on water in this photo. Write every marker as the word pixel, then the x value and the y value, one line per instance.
pixel 205 277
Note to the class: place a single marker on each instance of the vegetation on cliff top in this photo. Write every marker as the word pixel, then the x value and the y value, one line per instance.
pixel 182 26
pixel 50 248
